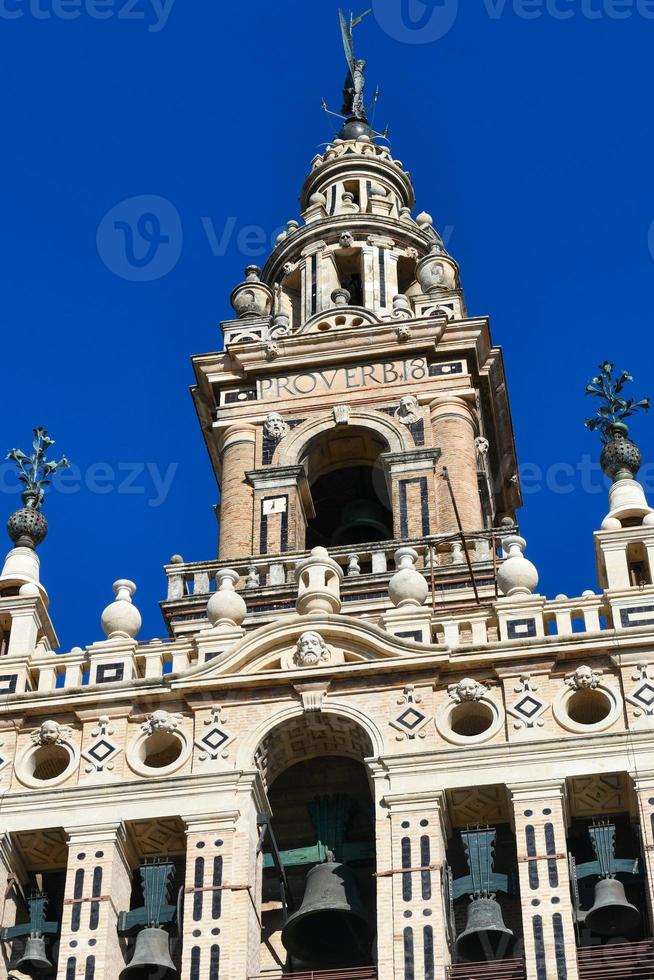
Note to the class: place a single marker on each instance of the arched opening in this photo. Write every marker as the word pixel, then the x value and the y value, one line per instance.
pixel 323 826
pixel 348 486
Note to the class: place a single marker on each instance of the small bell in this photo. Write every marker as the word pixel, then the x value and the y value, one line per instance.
pixel 330 928
pixel 611 914
pixel 362 521
pixel 485 936
pixel 34 961
pixel 151 959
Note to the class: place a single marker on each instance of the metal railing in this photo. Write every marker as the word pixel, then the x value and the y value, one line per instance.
pixel 514 969
pixel 617 961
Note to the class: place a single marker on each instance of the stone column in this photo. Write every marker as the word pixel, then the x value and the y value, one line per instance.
pixel 222 929
pixel 98 888
pixel 455 428
pixel 411 919
pixel 547 913
pixel 237 454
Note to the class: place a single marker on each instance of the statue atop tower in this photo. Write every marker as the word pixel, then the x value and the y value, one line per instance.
pixel 353 105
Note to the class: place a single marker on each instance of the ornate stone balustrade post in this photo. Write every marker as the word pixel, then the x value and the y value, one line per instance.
pixel 547 913
pixel 98 888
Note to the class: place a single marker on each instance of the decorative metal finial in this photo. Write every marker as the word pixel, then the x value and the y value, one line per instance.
pixel 27 527
pixel 621 458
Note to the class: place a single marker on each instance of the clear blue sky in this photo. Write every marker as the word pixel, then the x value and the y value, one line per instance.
pixel 528 136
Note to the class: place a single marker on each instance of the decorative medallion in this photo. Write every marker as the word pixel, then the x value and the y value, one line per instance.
pixel 215 740
pixel 311 650
pixel 411 720
pixel 102 751
pixel 642 696
pixel 527 709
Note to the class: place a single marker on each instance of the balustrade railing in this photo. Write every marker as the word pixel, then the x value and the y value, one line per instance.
pixel 375 558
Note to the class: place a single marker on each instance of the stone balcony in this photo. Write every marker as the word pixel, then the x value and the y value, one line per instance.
pixel 268 584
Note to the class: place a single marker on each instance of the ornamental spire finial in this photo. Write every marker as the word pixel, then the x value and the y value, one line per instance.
pixel 27 527
pixel 354 112
pixel 620 458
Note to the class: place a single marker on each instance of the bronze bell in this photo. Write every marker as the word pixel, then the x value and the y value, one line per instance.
pixel 330 928
pixel 34 961
pixel 485 936
pixel 611 914
pixel 151 959
pixel 361 521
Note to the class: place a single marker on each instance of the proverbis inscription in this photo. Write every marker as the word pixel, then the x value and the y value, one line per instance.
pixel 382 374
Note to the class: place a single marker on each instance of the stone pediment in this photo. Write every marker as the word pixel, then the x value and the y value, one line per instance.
pixel 297 645
pixel 340 318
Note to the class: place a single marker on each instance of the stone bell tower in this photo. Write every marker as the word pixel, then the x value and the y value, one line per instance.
pixel 353 375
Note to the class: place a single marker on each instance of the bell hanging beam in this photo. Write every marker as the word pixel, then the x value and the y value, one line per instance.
pixel 34 961
pixel 611 913
pixel 151 958
pixel 485 936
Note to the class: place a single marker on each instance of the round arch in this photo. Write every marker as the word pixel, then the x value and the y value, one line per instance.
pixel 292 449
pixel 289 736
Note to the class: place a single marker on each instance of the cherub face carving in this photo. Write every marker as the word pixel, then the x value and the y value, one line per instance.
pixel 275 427
pixel 311 650
pixel 467 690
pixel 584 679
pixel 161 721
pixel 50 733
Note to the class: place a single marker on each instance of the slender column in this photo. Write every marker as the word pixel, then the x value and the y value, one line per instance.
pixel 221 921
pixel 455 428
pixel 236 495
pixel 411 941
pixel 644 787
pixel 547 913
pixel 98 888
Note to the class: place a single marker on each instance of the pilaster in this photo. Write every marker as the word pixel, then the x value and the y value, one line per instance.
pixel 98 888
pixel 547 913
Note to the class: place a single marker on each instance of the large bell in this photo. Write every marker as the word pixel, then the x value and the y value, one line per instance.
pixel 330 928
pixel 485 936
pixel 611 914
pixel 34 961
pixel 151 959
pixel 361 521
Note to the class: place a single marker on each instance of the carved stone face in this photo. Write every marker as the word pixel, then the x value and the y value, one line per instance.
pixel 409 410
pixel 311 649
pixel 160 721
pixel 467 689
pixel 584 678
pixel 49 733
pixel 275 427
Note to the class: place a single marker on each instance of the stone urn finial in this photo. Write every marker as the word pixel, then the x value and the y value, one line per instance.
pixel 516 575
pixel 319 580
pixel 226 608
pixel 407 587
pixel 252 298
pixel 121 618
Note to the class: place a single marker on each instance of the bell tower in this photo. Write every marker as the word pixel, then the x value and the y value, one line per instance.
pixel 353 377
